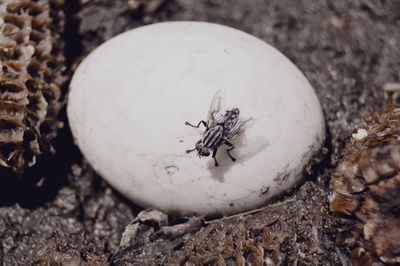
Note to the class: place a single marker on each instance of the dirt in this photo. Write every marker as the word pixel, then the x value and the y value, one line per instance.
pixel 66 214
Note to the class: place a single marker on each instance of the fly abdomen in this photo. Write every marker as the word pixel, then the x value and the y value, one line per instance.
pixel 213 136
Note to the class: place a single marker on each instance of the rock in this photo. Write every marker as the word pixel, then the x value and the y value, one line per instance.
pixel 372 161
pixel 130 98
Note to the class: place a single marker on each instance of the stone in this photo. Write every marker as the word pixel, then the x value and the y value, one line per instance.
pixel 130 98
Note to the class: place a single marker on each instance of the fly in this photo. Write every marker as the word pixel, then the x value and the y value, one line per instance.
pixel 220 128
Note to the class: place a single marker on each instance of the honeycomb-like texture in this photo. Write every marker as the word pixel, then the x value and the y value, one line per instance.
pixel 366 188
pixel 32 67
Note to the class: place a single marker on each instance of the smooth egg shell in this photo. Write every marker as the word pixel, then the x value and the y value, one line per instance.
pixel 130 98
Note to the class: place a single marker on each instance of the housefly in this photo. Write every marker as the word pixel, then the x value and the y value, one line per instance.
pixel 220 129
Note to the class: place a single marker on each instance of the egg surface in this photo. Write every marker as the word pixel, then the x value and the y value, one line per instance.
pixel 130 98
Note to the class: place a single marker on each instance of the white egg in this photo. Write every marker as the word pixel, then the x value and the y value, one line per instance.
pixel 130 98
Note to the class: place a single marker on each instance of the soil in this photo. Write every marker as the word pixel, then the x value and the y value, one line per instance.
pixel 64 213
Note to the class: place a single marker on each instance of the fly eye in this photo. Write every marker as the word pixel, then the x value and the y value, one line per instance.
pixel 205 152
pixel 198 147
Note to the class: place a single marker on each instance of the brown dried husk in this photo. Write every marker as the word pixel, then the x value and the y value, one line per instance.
pixel 366 187
pixel 32 66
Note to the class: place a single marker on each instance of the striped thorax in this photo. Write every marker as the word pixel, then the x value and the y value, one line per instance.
pixel 213 137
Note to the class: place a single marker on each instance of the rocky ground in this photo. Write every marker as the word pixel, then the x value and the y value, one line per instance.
pixel 64 213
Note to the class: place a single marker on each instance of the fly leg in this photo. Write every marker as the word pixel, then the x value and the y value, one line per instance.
pixel 198 125
pixel 231 148
pixel 213 155
pixel 188 151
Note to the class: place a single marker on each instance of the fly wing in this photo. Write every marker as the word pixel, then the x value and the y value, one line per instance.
pixel 237 129
pixel 215 108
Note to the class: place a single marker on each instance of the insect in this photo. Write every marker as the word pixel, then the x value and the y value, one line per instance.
pixel 220 128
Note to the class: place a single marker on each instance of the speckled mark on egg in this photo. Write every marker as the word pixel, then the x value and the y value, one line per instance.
pixel 130 98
